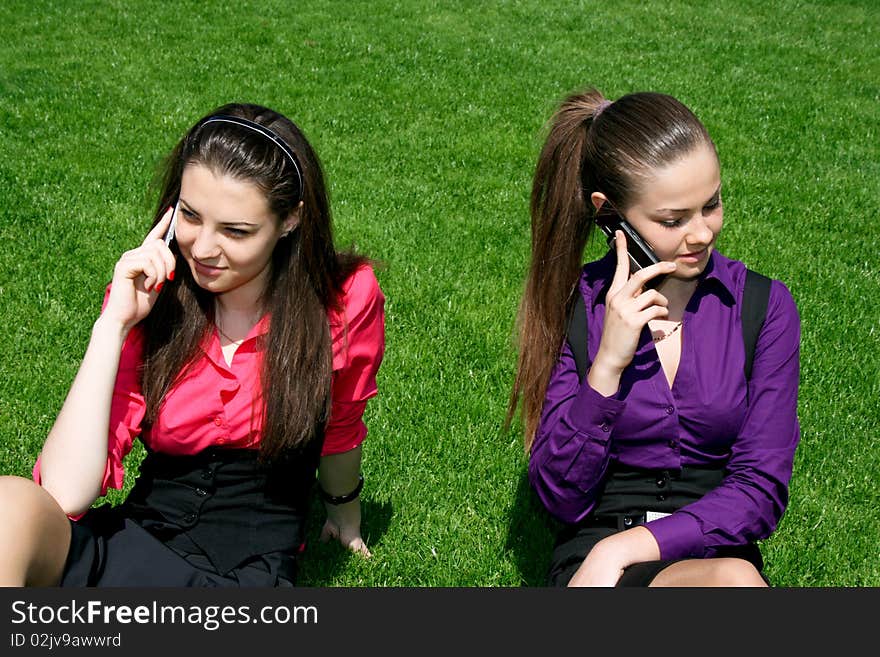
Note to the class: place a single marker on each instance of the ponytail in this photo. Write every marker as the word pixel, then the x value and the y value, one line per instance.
pixel 592 145
pixel 561 222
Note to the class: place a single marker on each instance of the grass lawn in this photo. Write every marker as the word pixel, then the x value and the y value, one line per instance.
pixel 428 118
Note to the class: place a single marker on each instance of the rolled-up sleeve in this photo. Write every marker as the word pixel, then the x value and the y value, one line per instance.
pixel 358 349
pixel 572 445
pixel 751 500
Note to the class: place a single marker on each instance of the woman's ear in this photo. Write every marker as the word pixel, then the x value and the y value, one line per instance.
pixel 292 221
pixel 598 199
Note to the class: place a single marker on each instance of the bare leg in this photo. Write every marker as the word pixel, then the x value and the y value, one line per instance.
pixel 709 572
pixel 34 535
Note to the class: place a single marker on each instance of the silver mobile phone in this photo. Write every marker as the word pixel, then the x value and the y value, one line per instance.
pixel 169 235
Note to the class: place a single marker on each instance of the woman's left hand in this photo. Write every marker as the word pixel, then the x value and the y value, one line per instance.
pixel 609 557
pixel 344 524
pixel 601 568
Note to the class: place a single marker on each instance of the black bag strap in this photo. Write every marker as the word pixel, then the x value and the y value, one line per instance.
pixel 577 334
pixel 756 295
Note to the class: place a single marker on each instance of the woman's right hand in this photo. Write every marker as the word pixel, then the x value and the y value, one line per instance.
pixel 628 307
pixel 138 277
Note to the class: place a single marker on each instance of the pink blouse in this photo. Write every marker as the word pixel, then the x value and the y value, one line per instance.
pixel 213 405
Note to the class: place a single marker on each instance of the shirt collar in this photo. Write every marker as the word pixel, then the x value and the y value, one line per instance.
pixel 716 276
pixel 599 278
pixel 211 344
pixel 260 328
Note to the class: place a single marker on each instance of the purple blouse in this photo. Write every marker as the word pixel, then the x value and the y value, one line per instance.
pixel 711 416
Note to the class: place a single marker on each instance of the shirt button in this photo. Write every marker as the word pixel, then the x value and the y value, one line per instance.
pixel 207 474
pixel 661 483
pixel 222 440
pixel 218 421
pixel 670 410
pixel 627 521
pixel 661 496
pixel 604 427
pixel 201 492
pixel 189 517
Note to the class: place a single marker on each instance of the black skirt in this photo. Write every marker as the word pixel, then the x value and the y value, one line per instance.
pixel 218 518
pixel 109 549
pixel 626 497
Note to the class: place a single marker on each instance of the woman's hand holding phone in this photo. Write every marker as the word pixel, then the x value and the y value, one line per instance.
pixel 629 306
pixel 138 277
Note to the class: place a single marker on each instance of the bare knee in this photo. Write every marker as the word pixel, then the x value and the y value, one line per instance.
pixel 19 498
pixel 709 572
pixel 34 534
pixel 734 572
pixel 22 498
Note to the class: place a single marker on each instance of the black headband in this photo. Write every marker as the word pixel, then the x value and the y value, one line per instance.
pixel 268 134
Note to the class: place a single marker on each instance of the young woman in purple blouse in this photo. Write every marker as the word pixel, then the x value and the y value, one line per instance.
pixel 666 463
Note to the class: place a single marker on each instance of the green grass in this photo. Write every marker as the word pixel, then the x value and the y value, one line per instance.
pixel 428 122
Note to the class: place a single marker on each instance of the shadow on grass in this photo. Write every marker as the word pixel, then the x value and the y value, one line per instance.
pixel 322 562
pixel 530 535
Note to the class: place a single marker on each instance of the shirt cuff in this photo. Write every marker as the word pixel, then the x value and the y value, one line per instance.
pixel 593 414
pixel 679 536
pixel 346 429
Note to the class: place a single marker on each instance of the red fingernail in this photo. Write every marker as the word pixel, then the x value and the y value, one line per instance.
pixel 171 275
pixel 159 287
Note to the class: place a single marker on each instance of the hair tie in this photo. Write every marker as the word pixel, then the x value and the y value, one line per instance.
pixel 603 104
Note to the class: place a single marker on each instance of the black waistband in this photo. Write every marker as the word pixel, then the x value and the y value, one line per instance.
pixel 226 501
pixel 619 521
pixel 633 491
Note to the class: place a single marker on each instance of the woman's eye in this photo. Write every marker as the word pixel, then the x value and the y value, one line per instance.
pixel 186 214
pixel 236 232
pixel 674 223
pixel 712 205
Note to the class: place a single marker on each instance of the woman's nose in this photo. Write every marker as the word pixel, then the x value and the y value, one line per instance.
pixel 205 245
pixel 699 233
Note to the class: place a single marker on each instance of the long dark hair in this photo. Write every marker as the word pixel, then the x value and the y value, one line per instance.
pixel 592 145
pixel 305 283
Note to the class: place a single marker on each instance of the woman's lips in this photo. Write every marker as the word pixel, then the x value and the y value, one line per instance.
pixel 695 256
pixel 207 270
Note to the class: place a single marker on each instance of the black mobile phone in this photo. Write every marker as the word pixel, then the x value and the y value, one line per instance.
pixel 640 254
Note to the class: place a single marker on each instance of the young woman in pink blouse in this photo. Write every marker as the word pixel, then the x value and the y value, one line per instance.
pixel 241 348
